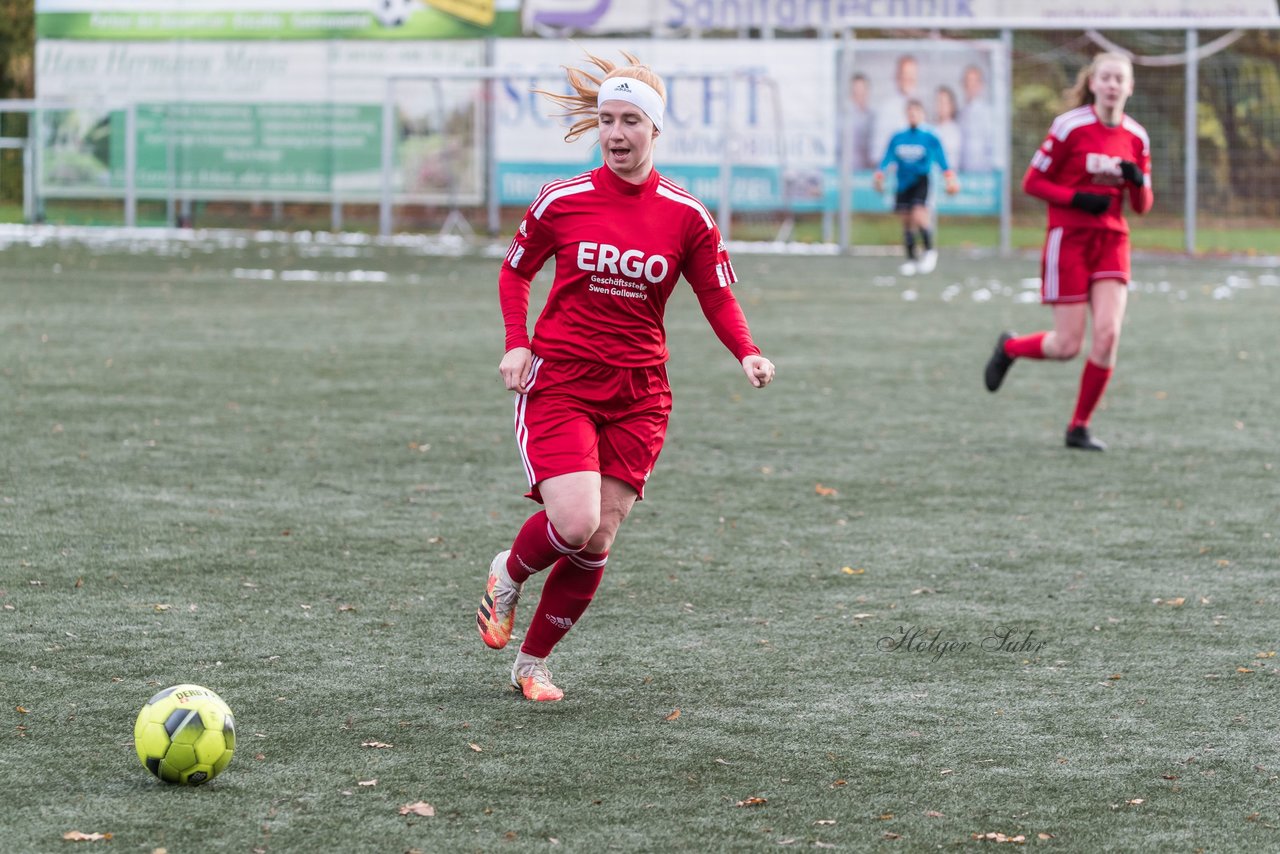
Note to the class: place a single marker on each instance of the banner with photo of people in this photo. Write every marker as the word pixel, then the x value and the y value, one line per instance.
pixel 960 85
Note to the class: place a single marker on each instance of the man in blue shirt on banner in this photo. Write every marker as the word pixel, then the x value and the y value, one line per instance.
pixel 912 152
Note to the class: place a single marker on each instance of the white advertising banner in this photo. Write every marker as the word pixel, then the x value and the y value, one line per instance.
pixel 667 17
pixel 236 119
pixel 769 108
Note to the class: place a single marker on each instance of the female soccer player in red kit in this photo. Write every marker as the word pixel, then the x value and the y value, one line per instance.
pixel 592 398
pixel 1093 157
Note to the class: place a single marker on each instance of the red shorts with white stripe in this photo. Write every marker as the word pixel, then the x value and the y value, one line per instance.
pixel 585 416
pixel 1075 258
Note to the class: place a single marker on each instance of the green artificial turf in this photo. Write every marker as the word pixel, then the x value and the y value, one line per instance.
pixel 289 490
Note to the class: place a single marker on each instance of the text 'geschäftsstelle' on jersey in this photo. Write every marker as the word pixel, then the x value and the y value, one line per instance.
pixel 617 287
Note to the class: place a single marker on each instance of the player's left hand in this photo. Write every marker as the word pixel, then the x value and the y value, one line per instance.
pixel 1132 173
pixel 953 186
pixel 759 370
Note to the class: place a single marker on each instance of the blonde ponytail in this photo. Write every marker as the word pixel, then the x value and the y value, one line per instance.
pixel 586 86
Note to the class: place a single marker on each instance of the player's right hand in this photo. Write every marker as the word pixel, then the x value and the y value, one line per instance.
pixel 1094 203
pixel 877 181
pixel 514 368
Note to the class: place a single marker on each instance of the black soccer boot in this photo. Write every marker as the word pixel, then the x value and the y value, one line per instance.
pixel 1078 437
pixel 998 364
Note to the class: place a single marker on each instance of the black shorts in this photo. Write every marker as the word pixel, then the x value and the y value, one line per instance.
pixel 912 196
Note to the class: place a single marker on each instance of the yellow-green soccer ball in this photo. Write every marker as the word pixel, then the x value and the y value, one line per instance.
pixel 185 735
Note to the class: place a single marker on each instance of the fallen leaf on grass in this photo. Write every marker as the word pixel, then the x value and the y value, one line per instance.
pixel 999 837
pixel 367 783
pixel 1044 836
pixel 375 744
pixel 891 835
pixel 22 710
pixel 77 836
pixel 838 783
pixel 675 713
pixel 752 801
pixel 421 808
pixel 848 570
pixel 1172 603
pixel 1133 802
pixel 825 491
pixel 887 816
pixel 474 747
pixel 933 814
pixel 825 821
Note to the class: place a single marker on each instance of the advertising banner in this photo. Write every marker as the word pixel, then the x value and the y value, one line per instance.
pixel 135 20
pixel 674 17
pixel 234 120
pixel 769 110
pixel 776 119
pixel 961 86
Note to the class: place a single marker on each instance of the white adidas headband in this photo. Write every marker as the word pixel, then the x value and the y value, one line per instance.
pixel 635 92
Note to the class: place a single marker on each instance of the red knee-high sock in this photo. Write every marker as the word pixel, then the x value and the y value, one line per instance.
pixel 1093 382
pixel 536 547
pixel 1027 347
pixel 570 586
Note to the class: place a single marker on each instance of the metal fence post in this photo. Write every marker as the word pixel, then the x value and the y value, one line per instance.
pixel 1191 126
pixel 1006 184
pixel 725 215
pixel 388 155
pixel 131 166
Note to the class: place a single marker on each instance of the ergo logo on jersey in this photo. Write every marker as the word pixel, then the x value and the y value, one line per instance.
pixel 606 258
pixel 1102 164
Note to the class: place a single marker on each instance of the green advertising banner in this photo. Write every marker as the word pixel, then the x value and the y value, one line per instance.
pixel 251 148
pixel 134 20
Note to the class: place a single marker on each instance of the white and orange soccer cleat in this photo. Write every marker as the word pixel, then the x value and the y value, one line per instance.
pixel 531 676
pixel 497 612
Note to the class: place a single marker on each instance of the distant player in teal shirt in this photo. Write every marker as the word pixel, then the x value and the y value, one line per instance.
pixel 912 152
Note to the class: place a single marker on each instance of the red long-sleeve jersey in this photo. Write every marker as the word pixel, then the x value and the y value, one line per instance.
pixel 619 250
pixel 1081 154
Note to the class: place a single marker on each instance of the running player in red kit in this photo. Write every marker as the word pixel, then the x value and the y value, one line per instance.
pixel 1093 157
pixel 592 398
